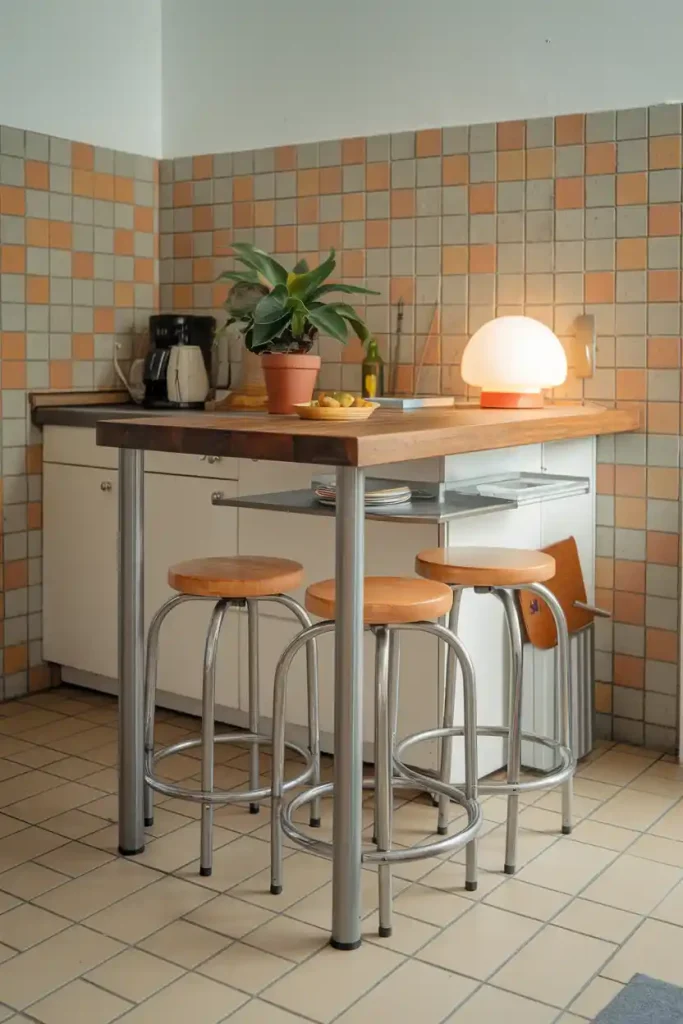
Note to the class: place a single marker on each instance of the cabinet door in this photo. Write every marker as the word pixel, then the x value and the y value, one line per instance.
pixel 181 523
pixel 79 568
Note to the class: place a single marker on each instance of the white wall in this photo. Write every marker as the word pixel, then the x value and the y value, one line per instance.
pixel 86 70
pixel 241 74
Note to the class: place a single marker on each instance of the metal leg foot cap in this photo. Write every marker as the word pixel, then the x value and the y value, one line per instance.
pixel 275 890
pixel 385 933
pixel 471 886
pixel 149 822
pixel 442 830
pixel 566 830
pixel 314 823
pixel 205 872
pixel 131 853
pixel 510 869
pixel 345 946
pixel 254 808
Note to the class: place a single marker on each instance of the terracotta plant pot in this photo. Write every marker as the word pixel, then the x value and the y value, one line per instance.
pixel 290 379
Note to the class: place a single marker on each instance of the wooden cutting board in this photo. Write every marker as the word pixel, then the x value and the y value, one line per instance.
pixel 568 586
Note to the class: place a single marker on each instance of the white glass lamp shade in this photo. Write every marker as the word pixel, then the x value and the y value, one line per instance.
pixel 512 359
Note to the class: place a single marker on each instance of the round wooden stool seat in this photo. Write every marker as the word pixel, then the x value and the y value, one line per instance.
pixel 241 576
pixel 484 566
pixel 387 600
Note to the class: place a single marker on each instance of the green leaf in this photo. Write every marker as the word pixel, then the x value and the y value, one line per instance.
pixel 265 332
pixel 272 306
pixel 301 267
pixel 346 289
pixel 261 262
pixel 240 276
pixel 329 321
pixel 304 284
pixel 351 316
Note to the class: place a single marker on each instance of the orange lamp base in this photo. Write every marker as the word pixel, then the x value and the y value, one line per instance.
pixel 511 400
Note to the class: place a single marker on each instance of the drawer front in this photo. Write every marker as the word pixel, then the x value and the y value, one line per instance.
pixel 76 446
pixel 214 466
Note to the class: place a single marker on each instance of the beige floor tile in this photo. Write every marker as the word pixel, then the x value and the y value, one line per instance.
pixel 648 782
pixel 26 925
pixel 73 824
pixel 185 944
pixel 479 942
pixel 106 839
pixel 9 769
pixel 6 1013
pixel 665 851
pixel 595 997
pixel 8 825
pixel 316 909
pixel 529 900
pixel 146 911
pixel 134 975
pixel 258 1012
pixel 598 920
pixel 37 757
pixel 431 905
pixel 670 826
pixel 190 998
pixel 611 837
pixel 303 874
pixel 614 769
pixel 329 982
pixel 407 936
pixel 627 748
pixel 180 847
pixel 491 849
pixel 25 845
pixel 25 786
pixel 245 967
pixel 667 768
pixel 671 907
pixel 582 805
pixel 74 859
pixel 107 755
pixel 11 745
pixel 79 1001
pixel 86 740
pixel 450 877
pixel 29 880
pixel 105 806
pixel 84 896
pixel 567 866
pixel 73 768
pixel 34 718
pixel 600 791
pixel 54 731
pixel 285 937
pixel 414 992
pixel 491 1004
pixel 7 902
pixel 64 957
pixel 53 802
pixel 235 817
pixel 632 809
pixel 633 884
pixel 654 949
pixel 240 859
pixel 554 966
pixel 229 916
pixel 165 822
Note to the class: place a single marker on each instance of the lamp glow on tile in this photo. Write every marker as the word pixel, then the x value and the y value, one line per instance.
pixel 512 359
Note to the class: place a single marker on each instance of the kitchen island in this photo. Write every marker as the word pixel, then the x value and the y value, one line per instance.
pixel 387 437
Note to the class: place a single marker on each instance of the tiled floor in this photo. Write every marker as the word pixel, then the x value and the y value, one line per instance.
pixel 88 936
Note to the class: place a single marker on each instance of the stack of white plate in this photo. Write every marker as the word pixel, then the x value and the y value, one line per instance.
pixel 326 495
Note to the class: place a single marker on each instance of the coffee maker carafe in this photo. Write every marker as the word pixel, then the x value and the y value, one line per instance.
pixel 167 330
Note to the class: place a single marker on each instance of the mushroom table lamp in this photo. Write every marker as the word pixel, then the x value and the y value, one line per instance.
pixel 512 359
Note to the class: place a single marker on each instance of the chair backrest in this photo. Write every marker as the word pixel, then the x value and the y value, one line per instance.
pixel 568 586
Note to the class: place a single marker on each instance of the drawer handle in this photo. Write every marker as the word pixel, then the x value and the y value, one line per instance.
pixel 211 459
pixel 105 485
pixel 217 496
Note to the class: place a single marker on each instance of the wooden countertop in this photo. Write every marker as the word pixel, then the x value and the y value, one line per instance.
pixel 388 436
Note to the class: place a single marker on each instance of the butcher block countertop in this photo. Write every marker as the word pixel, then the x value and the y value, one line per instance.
pixel 387 436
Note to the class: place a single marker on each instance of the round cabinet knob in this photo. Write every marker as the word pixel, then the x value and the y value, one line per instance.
pixel 217 496
pixel 105 485
pixel 212 459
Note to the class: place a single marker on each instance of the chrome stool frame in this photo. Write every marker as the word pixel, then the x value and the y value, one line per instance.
pixel 207 795
pixel 560 775
pixel 389 773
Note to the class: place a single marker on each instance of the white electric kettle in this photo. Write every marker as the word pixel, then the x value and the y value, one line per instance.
pixel 187 381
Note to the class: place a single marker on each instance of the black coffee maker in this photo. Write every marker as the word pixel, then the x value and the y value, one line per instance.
pixel 165 331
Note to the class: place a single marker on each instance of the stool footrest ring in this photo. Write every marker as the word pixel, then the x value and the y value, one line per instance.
pixel 241 796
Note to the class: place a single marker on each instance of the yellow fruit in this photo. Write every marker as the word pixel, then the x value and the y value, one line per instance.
pixel 359 403
pixel 329 403
pixel 346 400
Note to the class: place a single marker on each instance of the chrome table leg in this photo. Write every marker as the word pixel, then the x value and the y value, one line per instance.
pixel 514 752
pixel 208 733
pixel 131 651
pixel 348 708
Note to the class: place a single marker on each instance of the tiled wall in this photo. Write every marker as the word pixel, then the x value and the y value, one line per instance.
pixel 78 269
pixel 552 218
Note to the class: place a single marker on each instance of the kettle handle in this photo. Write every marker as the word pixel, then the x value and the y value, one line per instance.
pixel 133 391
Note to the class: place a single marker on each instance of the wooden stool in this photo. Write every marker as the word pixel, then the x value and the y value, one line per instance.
pixel 390 604
pixel 241 581
pixel 503 572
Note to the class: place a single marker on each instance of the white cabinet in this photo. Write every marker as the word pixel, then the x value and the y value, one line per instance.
pixel 79 567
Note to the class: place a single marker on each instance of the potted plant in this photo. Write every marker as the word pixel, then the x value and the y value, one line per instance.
pixel 284 323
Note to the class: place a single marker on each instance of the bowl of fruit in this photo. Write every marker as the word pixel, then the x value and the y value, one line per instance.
pixel 336 405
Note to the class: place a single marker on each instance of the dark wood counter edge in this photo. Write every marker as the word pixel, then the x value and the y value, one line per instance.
pixel 375 442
